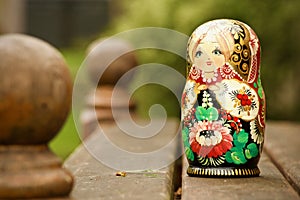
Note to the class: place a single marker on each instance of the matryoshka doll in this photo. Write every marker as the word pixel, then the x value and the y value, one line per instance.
pixel 223 102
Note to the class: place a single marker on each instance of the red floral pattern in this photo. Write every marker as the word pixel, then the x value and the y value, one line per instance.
pixel 227 72
pixel 195 73
pixel 210 139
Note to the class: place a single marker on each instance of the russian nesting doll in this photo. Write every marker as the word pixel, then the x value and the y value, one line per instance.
pixel 223 102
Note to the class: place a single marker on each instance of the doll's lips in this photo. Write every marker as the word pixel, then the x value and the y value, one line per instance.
pixel 209 63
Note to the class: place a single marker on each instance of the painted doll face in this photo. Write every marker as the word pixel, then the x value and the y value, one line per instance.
pixel 208 55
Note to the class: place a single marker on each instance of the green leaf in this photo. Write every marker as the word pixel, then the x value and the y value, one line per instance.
pixel 238 157
pixel 238 144
pixel 236 149
pixel 242 137
pixel 201 113
pixel 260 92
pixel 259 81
pixel 255 85
pixel 212 113
pixel 206 114
pixel 185 131
pixel 228 157
pixel 260 89
pixel 185 137
pixel 189 154
pixel 253 150
pixel 248 154
pixel 186 142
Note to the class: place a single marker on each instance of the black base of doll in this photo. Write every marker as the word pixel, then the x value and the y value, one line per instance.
pixel 223 172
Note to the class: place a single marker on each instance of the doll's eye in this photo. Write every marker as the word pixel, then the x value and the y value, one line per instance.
pixel 198 54
pixel 217 52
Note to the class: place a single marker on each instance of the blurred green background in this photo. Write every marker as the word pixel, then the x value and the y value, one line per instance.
pixel 276 23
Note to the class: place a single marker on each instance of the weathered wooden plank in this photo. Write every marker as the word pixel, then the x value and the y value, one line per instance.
pixel 270 185
pixel 94 180
pixel 283 147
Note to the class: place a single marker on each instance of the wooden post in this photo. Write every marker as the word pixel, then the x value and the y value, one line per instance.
pixel 35 97
pixel 115 58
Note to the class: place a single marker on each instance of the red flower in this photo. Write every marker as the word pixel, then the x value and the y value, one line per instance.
pixel 210 139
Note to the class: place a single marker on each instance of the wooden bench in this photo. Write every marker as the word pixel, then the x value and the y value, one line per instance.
pixel 94 180
pixel 279 179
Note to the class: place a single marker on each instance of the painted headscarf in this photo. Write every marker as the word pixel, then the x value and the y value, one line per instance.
pixel 238 42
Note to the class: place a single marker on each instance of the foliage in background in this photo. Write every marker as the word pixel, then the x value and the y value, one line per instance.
pixel 275 22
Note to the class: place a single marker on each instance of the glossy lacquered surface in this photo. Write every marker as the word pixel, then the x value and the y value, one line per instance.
pixel 223 102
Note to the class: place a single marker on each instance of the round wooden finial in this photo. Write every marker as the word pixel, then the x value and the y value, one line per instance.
pixel 107 61
pixel 113 56
pixel 35 98
pixel 35 90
